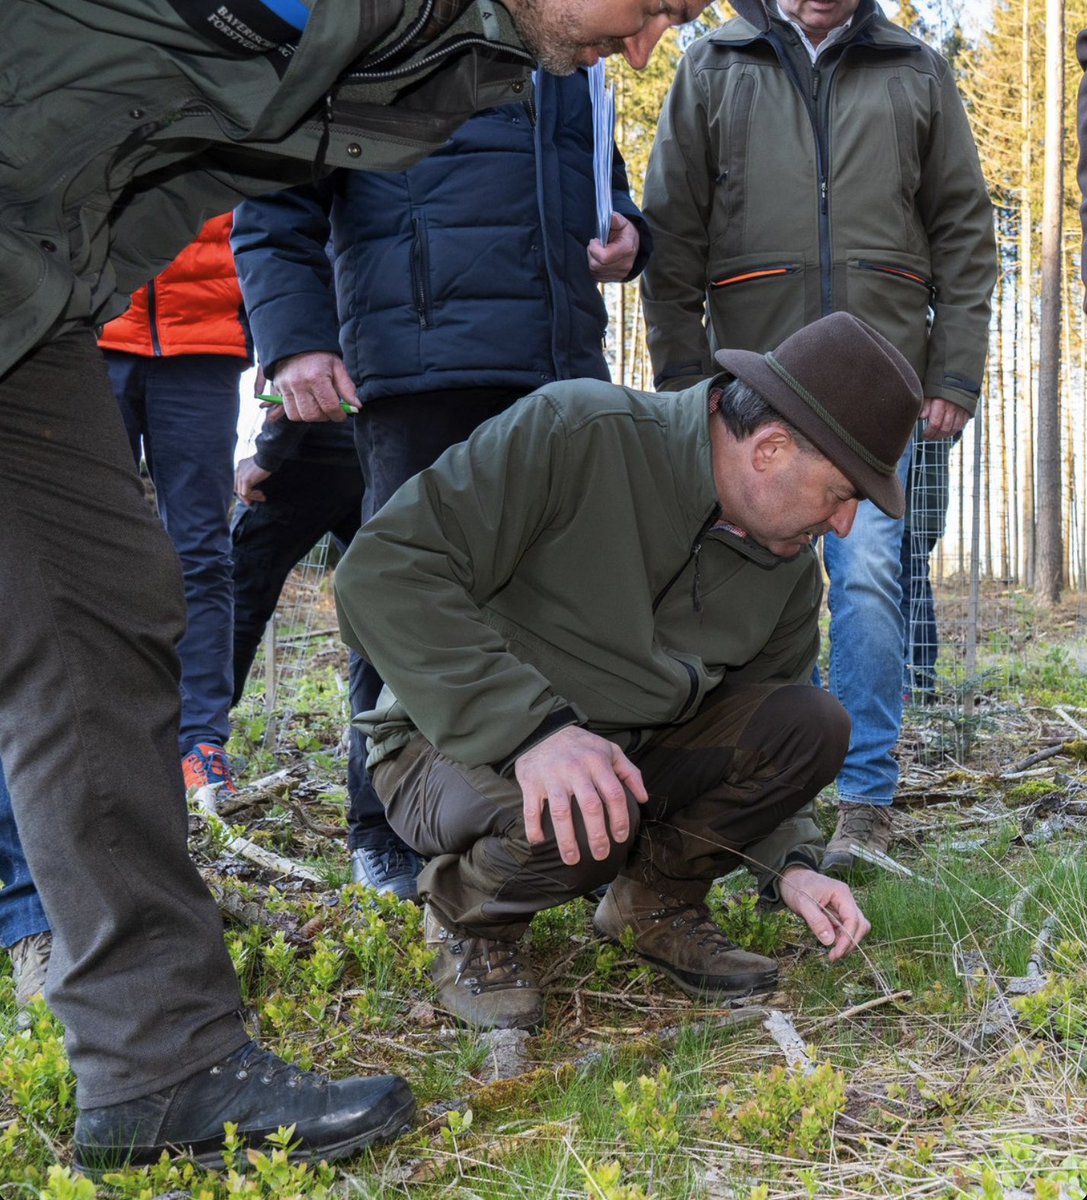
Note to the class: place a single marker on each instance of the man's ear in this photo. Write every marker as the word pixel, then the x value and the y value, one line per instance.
pixel 771 447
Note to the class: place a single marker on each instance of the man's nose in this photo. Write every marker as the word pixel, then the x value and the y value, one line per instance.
pixel 844 516
pixel 639 46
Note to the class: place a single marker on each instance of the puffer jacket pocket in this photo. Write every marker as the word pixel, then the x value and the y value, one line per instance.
pixel 754 300
pixel 894 293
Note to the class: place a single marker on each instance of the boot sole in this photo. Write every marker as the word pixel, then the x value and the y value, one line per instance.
pixel 701 986
pixel 400 1121
pixel 533 1025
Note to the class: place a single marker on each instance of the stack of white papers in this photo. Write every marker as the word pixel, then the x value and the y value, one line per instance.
pixel 603 100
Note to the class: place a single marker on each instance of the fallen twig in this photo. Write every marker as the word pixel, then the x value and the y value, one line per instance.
pixel 269 860
pixel 1034 759
pixel 1069 720
pixel 856 1009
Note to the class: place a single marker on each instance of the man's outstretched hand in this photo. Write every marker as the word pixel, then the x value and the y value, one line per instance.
pixel 828 907
pixel 572 767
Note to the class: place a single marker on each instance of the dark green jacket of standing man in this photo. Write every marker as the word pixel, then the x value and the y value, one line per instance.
pixel 187 107
pixel 779 191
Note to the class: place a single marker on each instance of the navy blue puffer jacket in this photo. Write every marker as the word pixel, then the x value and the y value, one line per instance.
pixel 469 270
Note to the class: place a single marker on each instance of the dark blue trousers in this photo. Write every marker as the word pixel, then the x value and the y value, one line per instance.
pixel 184 413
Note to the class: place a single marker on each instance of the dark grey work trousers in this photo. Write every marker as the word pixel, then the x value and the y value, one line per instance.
pixel 723 781
pixel 92 605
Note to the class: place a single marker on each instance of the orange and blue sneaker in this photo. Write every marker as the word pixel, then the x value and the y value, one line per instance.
pixel 207 766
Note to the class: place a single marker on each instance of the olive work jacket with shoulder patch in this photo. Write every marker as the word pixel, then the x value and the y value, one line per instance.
pixel 124 125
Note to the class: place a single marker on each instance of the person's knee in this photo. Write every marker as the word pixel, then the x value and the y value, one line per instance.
pixel 589 873
pixel 813 728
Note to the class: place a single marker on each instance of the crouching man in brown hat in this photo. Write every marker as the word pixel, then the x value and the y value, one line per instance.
pixel 597 620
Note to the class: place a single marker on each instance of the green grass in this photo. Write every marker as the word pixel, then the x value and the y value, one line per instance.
pixel 632 1091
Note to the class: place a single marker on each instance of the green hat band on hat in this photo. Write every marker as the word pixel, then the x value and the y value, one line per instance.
pixel 861 451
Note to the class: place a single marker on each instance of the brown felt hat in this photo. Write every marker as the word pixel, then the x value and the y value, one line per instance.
pixel 847 390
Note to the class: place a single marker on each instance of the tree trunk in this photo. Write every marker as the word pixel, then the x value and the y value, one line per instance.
pixel 1049 561
pixel 1025 415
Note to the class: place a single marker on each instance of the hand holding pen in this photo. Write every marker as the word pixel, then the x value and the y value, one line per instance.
pixel 350 409
pixel 314 386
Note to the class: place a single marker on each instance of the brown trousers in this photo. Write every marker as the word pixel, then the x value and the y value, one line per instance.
pixel 718 783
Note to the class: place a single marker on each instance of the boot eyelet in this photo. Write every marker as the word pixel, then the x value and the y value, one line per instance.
pixel 242 1074
pixel 216 1071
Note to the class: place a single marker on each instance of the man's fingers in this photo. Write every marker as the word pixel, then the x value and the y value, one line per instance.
pixel 852 926
pixel 318 401
pixel 629 775
pixel 563 823
pixel 607 797
pixel 533 810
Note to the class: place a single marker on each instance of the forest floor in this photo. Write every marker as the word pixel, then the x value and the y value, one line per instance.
pixel 946 1058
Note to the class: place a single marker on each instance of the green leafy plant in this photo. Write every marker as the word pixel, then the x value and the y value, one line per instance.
pixel 781 1108
pixel 649 1111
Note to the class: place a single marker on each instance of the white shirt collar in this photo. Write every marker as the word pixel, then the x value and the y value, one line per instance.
pixel 835 35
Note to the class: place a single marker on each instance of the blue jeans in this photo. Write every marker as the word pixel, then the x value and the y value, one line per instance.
pixel 396 438
pixel 866 648
pixel 21 912
pixel 184 410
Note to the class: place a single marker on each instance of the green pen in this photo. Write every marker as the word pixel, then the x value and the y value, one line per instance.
pixel 347 408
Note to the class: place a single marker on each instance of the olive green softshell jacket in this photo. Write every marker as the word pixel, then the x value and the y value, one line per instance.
pixel 563 560
pixel 125 124
pixel 779 192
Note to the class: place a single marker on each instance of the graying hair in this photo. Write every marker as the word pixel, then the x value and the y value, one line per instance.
pixel 744 411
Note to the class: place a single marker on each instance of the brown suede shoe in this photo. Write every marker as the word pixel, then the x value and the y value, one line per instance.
pixel 866 825
pixel 683 941
pixel 482 981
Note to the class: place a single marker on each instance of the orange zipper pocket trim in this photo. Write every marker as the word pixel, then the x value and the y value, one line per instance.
pixel 747 276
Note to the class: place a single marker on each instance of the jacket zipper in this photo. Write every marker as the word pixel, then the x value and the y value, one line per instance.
pixel 821 121
pixel 819 117
pixel 153 318
pixel 408 36
pixel 420 270
pixel 365 75
pixel 693 553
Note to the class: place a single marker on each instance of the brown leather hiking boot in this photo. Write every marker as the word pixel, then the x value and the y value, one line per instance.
pixel 682 940
pixel 481 980
pixel 866 825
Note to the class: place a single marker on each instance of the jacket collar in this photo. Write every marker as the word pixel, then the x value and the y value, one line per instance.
pixel 869 27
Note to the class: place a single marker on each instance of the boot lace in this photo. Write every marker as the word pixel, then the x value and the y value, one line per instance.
pixel 695 921
pixel 254 1060
pixel 486 965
